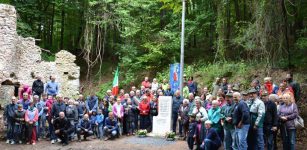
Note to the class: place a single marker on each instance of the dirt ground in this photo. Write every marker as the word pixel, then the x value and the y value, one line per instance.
pixel 94 144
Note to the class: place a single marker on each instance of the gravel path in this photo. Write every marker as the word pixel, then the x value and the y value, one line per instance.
pixel 124 143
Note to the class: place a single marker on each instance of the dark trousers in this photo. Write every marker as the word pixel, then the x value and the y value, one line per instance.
pixel 136 122
pixel 288 138
pixel 269 138
pixel 130 126
pixel 190 141
pixel 209 145
pixel 174 118
pixel 144 122
pixel 84 133
pixel 10 129
pixel 64 136
pixel 19 132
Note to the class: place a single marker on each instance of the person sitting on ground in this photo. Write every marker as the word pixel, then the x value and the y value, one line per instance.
pixel 212 140
pixel 63 128
pixel 111 127
pixel 84 128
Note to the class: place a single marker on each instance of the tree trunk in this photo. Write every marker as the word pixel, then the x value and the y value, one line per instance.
pixel 62 25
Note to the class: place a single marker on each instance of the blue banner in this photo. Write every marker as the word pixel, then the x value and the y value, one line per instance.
pixel 174 79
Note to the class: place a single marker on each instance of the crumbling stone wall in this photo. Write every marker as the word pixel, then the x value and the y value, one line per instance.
pixel 20 59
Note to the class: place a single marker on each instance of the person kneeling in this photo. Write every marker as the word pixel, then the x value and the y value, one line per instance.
pixel 111 127
pixel 84 128
pixel 63 128
pixel 212 140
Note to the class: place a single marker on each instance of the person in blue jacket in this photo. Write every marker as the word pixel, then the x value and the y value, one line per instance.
pixel 192 132
pixel 111 128
pixel 212 140
pixel 84 128
pixel 99 122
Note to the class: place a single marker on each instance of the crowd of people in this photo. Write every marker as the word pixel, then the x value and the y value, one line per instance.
pixel 236 118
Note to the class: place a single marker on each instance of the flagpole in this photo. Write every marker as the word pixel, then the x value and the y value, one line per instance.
pixel 182 48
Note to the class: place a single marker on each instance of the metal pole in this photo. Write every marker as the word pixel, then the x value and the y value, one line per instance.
pixel 182 48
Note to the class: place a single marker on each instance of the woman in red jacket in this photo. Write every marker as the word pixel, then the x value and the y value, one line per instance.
pixel 144 108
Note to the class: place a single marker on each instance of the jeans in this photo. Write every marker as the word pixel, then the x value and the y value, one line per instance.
pixel 288 138
pixel 175 117
pixel 110 132
pixel 136 122
pixel 259 140
pixel 240 137
pixel 130 127
pixel 229 138
pixel 100 130
pixel 42 126
pixel 269 137
pixel 51 130
pixel 10 129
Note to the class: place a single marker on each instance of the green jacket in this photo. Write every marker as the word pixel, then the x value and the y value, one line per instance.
pixel 227 111
pixel 257 112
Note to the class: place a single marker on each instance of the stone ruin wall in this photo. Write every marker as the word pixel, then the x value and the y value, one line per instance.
pixel 20 60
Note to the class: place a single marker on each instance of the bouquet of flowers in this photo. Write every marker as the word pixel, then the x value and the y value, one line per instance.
pixel 142 133
pixel 170 136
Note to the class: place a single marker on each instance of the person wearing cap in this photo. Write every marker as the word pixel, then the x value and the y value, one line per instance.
pixel 63 128
pixel 294 85
pixel 257 113
pixel 270 121
pixel 31 118
pixel 8 115
pixel 38 86
pixel 241 121
pixel 177 101
pixel 212 140
pixel 214 115
pixel 245 96
pixel 227 122
pixel 109 93
pixel 19 128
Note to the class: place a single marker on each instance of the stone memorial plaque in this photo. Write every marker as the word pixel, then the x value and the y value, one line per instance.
pixel 162 122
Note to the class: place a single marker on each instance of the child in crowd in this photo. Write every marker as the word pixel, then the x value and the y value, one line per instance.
pixel 192 132
pixel 93 120
pixel 19 129
pixel 99 123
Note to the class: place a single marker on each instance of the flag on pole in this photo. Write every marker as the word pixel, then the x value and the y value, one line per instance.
pixel 115 83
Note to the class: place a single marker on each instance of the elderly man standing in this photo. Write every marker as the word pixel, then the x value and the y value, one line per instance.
pixel 38 86
pixel 257 113
pixel 270 121
pixel 52 88
pixel 177 101
pixel 9 114
pixel 63 128
pixel 227 122
pixel 241 121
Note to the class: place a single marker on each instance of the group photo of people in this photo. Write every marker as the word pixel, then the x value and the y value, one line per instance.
pixel 218 116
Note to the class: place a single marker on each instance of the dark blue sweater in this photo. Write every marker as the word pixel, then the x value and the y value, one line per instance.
pixel 212 135
pixel 177 101
pixel 241 112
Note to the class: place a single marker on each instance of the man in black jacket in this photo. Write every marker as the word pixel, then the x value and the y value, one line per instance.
pixel 84 128
pixel 38 86
pixel 9 114
pixel 270 121
pixel 63 128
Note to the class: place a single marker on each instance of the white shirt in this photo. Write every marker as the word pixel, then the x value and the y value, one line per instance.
pixel 201 114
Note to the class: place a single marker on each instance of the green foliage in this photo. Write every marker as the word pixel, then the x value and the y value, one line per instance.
pixel 47 56
pixel 103 89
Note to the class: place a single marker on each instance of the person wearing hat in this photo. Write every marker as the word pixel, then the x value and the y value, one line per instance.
pixel 226 119
pixel 212 140
pixel 31 118
pixel 19 128
pixel 245 96
pixel 270 120
pixel 257 114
